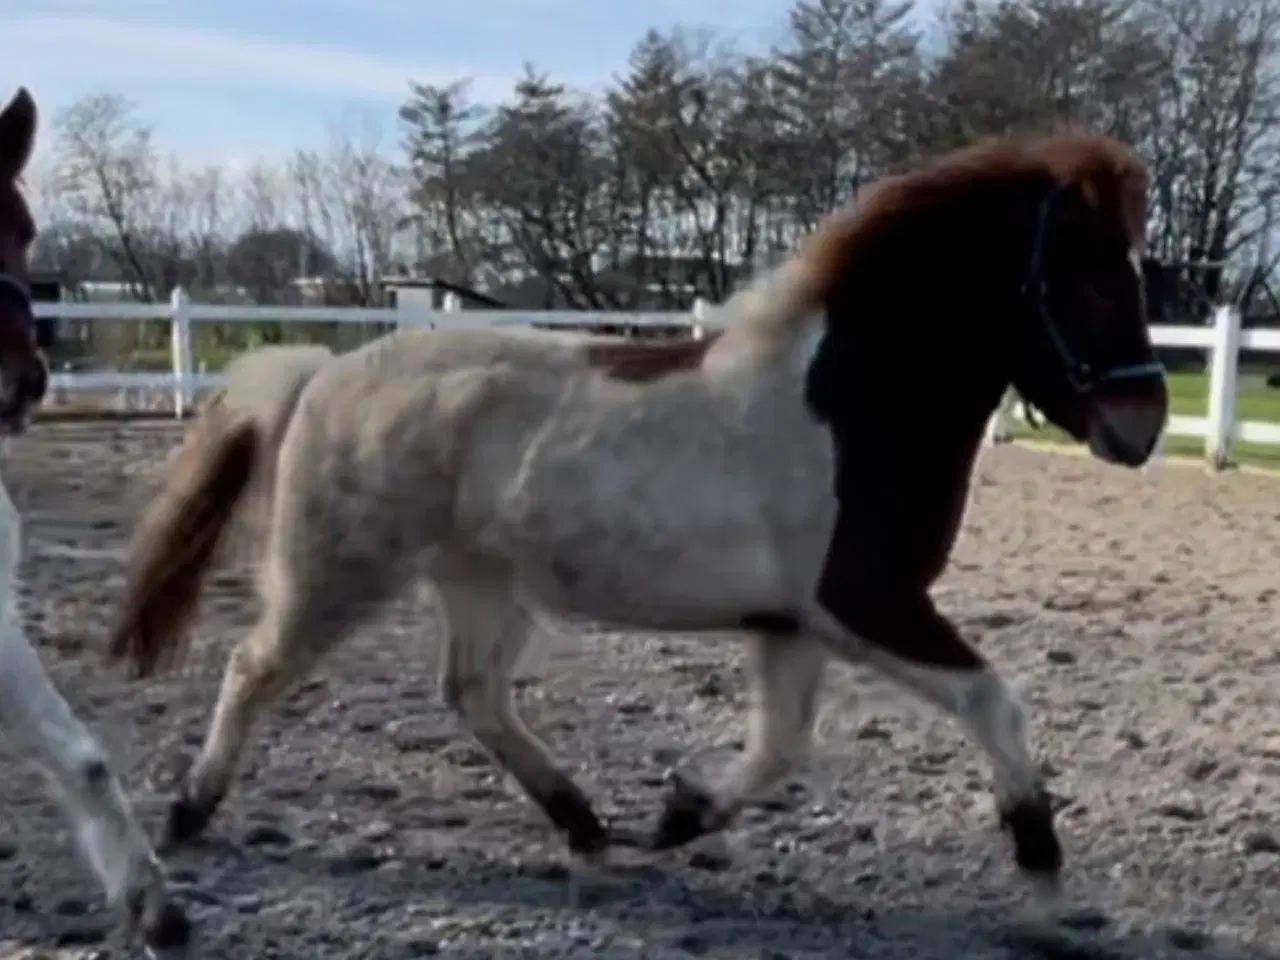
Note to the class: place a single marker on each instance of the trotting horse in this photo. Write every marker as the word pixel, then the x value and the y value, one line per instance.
pixel 30 708
pixel 771 482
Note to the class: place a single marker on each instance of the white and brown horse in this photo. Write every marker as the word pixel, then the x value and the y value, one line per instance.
pixel 767 481
pixel 31 710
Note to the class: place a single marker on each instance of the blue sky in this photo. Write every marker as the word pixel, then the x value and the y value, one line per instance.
pixel 239 80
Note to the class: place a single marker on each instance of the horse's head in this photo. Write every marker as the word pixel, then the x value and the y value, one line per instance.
pixel 24 375
pixel 1082 353
pixel 1031 250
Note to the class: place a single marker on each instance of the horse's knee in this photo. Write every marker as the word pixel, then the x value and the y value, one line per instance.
pixel 900 621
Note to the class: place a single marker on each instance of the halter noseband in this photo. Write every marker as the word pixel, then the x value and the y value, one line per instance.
pixel 1082 375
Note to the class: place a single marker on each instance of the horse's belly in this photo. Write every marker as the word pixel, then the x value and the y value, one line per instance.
pixel 656 545
pixel 692 585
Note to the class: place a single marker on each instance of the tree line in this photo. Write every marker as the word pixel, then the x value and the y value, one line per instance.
pixel 700 163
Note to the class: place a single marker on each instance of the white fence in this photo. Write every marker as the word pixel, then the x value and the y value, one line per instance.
pixel 183 378
pixel 1223 340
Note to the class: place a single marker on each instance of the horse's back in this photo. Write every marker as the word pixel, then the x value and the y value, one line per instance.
pixel 391 442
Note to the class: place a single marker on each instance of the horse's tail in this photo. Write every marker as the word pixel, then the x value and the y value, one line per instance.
pixel 220 477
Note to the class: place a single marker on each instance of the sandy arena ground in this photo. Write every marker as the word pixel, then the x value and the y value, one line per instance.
pixel 1139 611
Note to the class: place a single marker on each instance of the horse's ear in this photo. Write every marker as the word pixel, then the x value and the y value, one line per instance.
pixel 17 133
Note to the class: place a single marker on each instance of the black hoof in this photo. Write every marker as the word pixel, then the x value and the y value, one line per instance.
pixel 1035 843
pixel 571 811
pixel 171 930
pixel 690 813
pixel 187 818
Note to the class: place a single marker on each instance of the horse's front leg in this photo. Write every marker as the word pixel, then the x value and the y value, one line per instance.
pixel 905 637
pixel 33 711
pixel 785 670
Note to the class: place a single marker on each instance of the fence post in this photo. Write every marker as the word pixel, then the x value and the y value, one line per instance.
pixel 1224 366
pixel 699 314
pixel 180 344
pixel 1000 426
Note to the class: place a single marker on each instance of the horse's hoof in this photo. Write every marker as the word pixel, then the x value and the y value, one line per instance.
pixel 589 843
pixel 187 819
pixel 1036 848
pixel 171 930
pixel 159 922
pixel 690 813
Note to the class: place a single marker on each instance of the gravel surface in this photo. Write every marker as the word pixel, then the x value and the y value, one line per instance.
pixel 1137 611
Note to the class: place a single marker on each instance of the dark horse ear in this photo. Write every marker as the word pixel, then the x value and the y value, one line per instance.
pixel 17 133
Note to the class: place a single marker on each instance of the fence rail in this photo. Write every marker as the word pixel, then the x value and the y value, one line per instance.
pixel 1223 340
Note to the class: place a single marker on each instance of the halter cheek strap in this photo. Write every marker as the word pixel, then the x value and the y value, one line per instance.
pixel 1082 375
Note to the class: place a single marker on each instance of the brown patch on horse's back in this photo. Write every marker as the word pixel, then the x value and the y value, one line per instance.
pixel 644 361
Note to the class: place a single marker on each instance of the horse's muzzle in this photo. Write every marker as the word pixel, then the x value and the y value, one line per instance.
pixel 1125 430
pixel 21 390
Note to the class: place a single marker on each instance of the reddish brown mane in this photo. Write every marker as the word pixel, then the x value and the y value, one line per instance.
pixel 644 361
pixel 1112 179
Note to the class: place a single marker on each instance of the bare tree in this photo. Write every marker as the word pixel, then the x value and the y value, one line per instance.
pixel 838 74
pixel 442 129
pixel 1218 133
pixel 540 176
pixel 356 196
pixel 700 163
pixel 105 167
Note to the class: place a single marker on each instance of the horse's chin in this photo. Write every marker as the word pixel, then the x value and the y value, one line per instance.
pixel 14 425
pixel 1126 431
pixel 1109 447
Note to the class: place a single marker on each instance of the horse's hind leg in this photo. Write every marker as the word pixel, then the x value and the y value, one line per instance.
pixel 305 614
pixel 104 826
pixel 486 631
pixel 785 671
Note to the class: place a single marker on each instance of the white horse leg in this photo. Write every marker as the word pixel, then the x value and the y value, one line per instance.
pixel 969 689
pixel 997 719
pixel 785 672
pixel 33 711
pixel 291 635
pixel 486 631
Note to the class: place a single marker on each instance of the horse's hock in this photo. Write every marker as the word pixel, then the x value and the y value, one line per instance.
pixel 1138 612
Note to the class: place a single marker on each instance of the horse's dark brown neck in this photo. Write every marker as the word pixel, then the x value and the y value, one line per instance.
pixel 924 331
pixel 906 378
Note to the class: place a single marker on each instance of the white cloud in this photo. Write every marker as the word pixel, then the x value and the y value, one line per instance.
pixel 61 47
